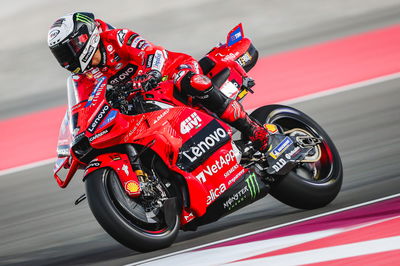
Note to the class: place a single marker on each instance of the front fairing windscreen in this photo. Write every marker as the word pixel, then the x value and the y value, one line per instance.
pixel 68 125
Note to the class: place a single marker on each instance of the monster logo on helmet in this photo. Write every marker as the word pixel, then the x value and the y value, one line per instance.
pixel 73 39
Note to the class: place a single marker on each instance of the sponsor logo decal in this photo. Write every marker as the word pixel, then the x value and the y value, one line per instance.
pixel 158 61
pixel 99 117
pixel 230 171
pixel 136 41
pixel 251 187
pixel 121 36
pixel 131 38
pixel 110 117
pixel 244 59
pixel 123 75
pixel 192 121
pixel 83 18
pixel 135 128
pixel 222 161
pixel 145 46
pixel 149 60
pixel 140 44
pixel 132 187
pixel 279 165
pixel 188 217
pixel 202 145
pixel 215 193
pixel 236 198
pixel 76 69
pixel 93 164
pixel 94 73
pixel 63 150
pixel 271 128
pixel 116 58
pixel 115 157
pixel 110 48
pixel 98 135
pixel 178 76
pixel 160 116
pixel 282 146
pixel 228 57
pixel 53 34
pixel 236 177
pixel 292 153
pixel 125 168
pixel 118 66
pixel 96 91
pixel 88 54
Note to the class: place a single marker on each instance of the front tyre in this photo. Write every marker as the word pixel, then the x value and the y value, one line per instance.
pixel 128 220
pixel 310 185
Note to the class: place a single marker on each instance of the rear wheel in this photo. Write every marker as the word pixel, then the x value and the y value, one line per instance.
pixel 138 223
pixel 312 184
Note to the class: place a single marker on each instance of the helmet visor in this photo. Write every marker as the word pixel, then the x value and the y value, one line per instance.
pixel 66 56
pixel 78 42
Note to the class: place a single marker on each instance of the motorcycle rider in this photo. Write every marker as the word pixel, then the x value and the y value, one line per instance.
pixel 91 48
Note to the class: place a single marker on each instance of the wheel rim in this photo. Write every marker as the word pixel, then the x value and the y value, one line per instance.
pixel 317 172
pixel 133 211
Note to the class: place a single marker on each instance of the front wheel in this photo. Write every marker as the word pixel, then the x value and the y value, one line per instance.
pixel 309 185
pixel 138 224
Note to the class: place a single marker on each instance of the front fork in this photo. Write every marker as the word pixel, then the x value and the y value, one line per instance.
pixel 126 166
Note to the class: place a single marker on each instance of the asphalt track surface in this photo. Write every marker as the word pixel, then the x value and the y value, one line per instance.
pixel 40 226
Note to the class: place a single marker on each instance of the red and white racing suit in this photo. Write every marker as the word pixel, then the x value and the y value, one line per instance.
pixel 126 55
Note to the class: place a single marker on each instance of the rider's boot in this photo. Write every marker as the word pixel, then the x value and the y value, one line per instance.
pixel 228 110
pixel 235 116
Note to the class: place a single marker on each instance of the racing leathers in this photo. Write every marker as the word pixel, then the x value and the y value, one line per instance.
pixel 128 57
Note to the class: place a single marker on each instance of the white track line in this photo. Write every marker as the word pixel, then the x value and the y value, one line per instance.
pixel 344 88
pixel 265 229
pixel 290 101
pixel 27 166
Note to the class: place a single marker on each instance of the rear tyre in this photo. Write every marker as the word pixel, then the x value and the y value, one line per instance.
pixel 127 219
pixel 311 185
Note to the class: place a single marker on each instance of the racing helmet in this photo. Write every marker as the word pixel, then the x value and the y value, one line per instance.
pixel 73 39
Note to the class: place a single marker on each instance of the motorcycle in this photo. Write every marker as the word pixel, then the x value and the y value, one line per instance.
pixel 155 165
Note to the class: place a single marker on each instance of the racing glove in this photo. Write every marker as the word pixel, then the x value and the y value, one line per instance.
pixel 116 95
pixel 148 81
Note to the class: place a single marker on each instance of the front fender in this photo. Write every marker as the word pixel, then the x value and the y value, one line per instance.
pixel 122 167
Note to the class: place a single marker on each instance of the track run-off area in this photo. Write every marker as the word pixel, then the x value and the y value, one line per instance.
pixel 351 86
pixel 366 233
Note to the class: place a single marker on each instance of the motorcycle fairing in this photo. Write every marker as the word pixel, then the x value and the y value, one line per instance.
pixel 121 165
pixel 247 189
pixel 171 129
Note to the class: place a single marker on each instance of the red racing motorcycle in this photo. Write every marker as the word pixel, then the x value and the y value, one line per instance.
pixel 155 166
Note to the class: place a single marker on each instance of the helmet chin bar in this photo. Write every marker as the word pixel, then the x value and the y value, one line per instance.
pixel 89 51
